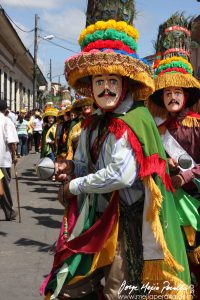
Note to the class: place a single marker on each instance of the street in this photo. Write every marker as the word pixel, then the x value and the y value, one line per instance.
pixel 25 258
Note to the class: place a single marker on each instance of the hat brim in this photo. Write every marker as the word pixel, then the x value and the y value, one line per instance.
pixel 78 70
pixel 186 81
pixel 83 102
pixel 49 114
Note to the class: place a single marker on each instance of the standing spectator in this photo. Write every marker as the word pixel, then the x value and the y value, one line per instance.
pixel 8 138
pixel 22 131
pixel 12 115
pixel 37 130
pixel 29 118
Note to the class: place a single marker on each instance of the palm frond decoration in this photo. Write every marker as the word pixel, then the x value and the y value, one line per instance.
pixel 104 10
pixel 174 36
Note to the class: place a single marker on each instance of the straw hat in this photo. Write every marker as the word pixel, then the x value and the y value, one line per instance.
pixel 172 65
pixel 109 47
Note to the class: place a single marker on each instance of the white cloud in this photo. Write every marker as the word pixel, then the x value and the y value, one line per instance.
pixel 67 24
pixel 47 4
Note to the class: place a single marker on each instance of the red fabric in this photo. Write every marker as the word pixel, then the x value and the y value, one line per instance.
pixel 71 220
pixel 180 70
pixel 72 214
pixel 110 44
pixel 92 240
pixel 171 50
pixel 148 165
pixel 193 114
pixel 170 123
pixel 168 183
pixel 85 123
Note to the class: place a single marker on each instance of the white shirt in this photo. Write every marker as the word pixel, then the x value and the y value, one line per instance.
pixel 12 116
pixel 116 167
pixel 37 124
pixel 8 134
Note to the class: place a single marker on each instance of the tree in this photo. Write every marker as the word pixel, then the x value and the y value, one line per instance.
pixel 119 10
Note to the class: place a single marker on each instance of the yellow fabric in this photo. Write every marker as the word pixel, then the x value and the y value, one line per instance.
pixel 153 217
pixel 191 122
pixel 48 296
pixel 169 60
pixel 176 80
pixel 190 234
pixel 155 274
pixel 61 113
pixel 68 108
pixel 103 25
pixel 29 127
pixel 50 112
pixel 52 130
pixel 73 140
pixel 1 174
pixel 106 255
pixel 1 185
pixel 83 102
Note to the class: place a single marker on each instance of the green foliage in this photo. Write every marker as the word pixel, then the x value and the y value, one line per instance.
pixel 104 10
pixel 174 38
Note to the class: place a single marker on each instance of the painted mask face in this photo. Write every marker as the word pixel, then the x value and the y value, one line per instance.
pixel 87 109
pixel 67 116
pixel 73 115
pixel 51 119
pixel 174 99
pixel 107 89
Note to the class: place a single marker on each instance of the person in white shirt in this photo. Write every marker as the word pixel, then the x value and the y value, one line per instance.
pixel 8 141
pixel 11 115
pixel 37 130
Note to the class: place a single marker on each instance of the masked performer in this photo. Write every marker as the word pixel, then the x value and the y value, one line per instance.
pixel 172 105
pixel 121 222
pixel 62 135
pixel 48 133
pixel 83 109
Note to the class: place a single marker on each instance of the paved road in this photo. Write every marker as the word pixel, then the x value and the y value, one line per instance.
pixel 24 257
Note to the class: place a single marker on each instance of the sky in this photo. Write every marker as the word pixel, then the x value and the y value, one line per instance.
pixel 65 19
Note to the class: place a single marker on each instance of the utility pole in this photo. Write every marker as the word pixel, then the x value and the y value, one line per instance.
pixel 35 62
pixel 50 72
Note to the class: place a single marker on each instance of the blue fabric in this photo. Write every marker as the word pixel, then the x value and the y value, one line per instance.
pixel 134 55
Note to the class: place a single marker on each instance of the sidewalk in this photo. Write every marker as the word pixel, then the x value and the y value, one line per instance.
pixel 24 257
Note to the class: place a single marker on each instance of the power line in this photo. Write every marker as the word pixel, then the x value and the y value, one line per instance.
pixel 61 46
pixel 59 37
pixel 27 31
pixel 58 75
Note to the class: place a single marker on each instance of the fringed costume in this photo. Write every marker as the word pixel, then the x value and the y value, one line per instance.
pixel 180 130
pixel 122 224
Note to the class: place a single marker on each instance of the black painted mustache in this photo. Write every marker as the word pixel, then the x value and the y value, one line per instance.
pixel 108 92
pixel 172 101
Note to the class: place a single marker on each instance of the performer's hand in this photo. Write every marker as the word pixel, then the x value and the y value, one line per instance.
pixel 177 181
pixel 64 169
pixel 172 164
pixel 64 194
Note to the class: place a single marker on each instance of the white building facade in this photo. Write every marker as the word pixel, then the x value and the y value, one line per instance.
pixel 16 68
